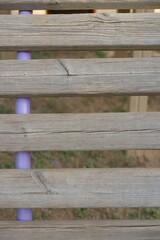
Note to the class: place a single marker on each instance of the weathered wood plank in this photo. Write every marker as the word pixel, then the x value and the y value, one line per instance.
pixel 61 188
pixel 80 32
pixel 81 230
pixel 80 77
pixel 71 188
pixel 77 4
pixel 93 131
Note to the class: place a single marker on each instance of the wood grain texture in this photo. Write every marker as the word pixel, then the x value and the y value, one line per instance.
pixel 93 131
pixel 87 188
pixel 80 77
pixel 81 230
pixel 80 32
pixel 77 4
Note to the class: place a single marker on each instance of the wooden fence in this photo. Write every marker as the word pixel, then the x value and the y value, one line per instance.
pixel 72 188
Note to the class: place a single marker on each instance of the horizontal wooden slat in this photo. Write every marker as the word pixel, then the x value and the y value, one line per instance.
pixel 71 188
pixel 80 32
pixel 80 77
pixel 100 131
pixel 77 4
pixel 81 230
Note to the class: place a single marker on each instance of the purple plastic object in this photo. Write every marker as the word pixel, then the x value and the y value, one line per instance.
pixel 22 161
pixel 24 214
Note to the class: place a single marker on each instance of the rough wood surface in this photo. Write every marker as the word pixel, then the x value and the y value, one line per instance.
pixel 80 32
pixel 93 131
pixel 77 4
pixel 72 188
pixel 81 230
pixel 80 77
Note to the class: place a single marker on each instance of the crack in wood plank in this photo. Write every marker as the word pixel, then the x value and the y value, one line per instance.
pixel 64 66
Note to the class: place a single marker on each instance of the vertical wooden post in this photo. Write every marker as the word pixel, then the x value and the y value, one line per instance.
pixel 122 54
pixel 139 103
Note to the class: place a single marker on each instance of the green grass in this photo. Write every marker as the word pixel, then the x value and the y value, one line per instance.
pixel 120 159
pixel 146 213
pixel 42 160
pixel 68 54
pixel 101 54
pixel 69 156
pixel 6 160
pixel 81 212
pixel 3 109
pixel 116 109
pixel 42 54
pixel 7 165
